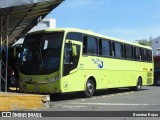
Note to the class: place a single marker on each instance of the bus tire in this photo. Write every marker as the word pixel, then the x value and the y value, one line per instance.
pixel 90 88
pixel 139 84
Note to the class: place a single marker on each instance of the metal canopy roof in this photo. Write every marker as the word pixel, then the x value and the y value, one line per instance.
pixel 25 14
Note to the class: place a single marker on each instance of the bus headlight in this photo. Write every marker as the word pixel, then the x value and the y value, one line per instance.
pixel 55 79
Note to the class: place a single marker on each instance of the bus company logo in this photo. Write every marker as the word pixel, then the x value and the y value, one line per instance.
pixel 65 85
pixel 98 62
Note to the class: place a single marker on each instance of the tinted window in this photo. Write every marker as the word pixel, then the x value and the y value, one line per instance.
pixel 113 49
pixel 118 50
pixel 133 52
pixel 105 47
pixel 71 62
pixel 137 53
pixel 90 45
pixel 149 55
pixel 42 52
pixel 128 51
pixel 74 36
pixel 141 54
pixel 85 44
pixel 144 54
pixel 75 58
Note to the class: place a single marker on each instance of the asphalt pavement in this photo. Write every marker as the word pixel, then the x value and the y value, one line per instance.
pixel 123 99
pixel 148 99
pixel 108 101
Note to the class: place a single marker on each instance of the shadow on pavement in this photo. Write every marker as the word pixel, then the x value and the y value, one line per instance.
pixel 77 95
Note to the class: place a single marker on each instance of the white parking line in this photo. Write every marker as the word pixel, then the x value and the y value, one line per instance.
pixel 112 95
pixel 74 106
pixel 128 104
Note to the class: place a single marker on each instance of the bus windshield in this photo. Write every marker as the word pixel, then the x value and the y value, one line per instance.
pixel 41 53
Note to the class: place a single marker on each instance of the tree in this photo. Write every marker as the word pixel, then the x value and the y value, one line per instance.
pixel 145 42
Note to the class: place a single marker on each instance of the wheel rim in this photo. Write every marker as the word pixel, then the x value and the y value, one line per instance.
pixel 139 85
pixel 89 87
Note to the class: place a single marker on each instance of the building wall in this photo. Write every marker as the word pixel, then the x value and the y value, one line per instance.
pixel 155 46
pixel 46 23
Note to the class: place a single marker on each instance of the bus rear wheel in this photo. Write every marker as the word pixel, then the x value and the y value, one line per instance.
pixel 139 85
pixel 90 88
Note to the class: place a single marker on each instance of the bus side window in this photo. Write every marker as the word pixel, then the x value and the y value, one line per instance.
pixel 118 50
pixel 100 46
pixel 147 56
pixel 132 52
pixel 128 52
pixel 113 49
pixel 138 55
pixel 85 44
pixel 141 54
pixel 105 47
pixel 150 56
pixel 122 50
pixel 90 45
pixel 74 36
pixel 144 54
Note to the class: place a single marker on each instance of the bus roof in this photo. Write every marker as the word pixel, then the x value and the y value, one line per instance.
pixel 89 32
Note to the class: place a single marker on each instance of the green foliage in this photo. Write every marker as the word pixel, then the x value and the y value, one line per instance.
pixel 145 42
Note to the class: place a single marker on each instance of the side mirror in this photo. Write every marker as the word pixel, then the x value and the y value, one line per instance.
pixel 74 50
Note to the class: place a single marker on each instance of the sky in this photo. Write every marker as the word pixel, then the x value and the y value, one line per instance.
pixel 125 19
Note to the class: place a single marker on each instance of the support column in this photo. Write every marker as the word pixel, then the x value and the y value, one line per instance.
pixel 4 23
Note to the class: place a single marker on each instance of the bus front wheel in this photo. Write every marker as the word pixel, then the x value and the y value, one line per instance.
pixel 90 88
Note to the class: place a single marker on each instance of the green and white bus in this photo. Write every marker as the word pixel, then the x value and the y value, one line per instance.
pixel 67 60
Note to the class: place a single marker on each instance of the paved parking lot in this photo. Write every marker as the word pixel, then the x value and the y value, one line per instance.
pixel 148 99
